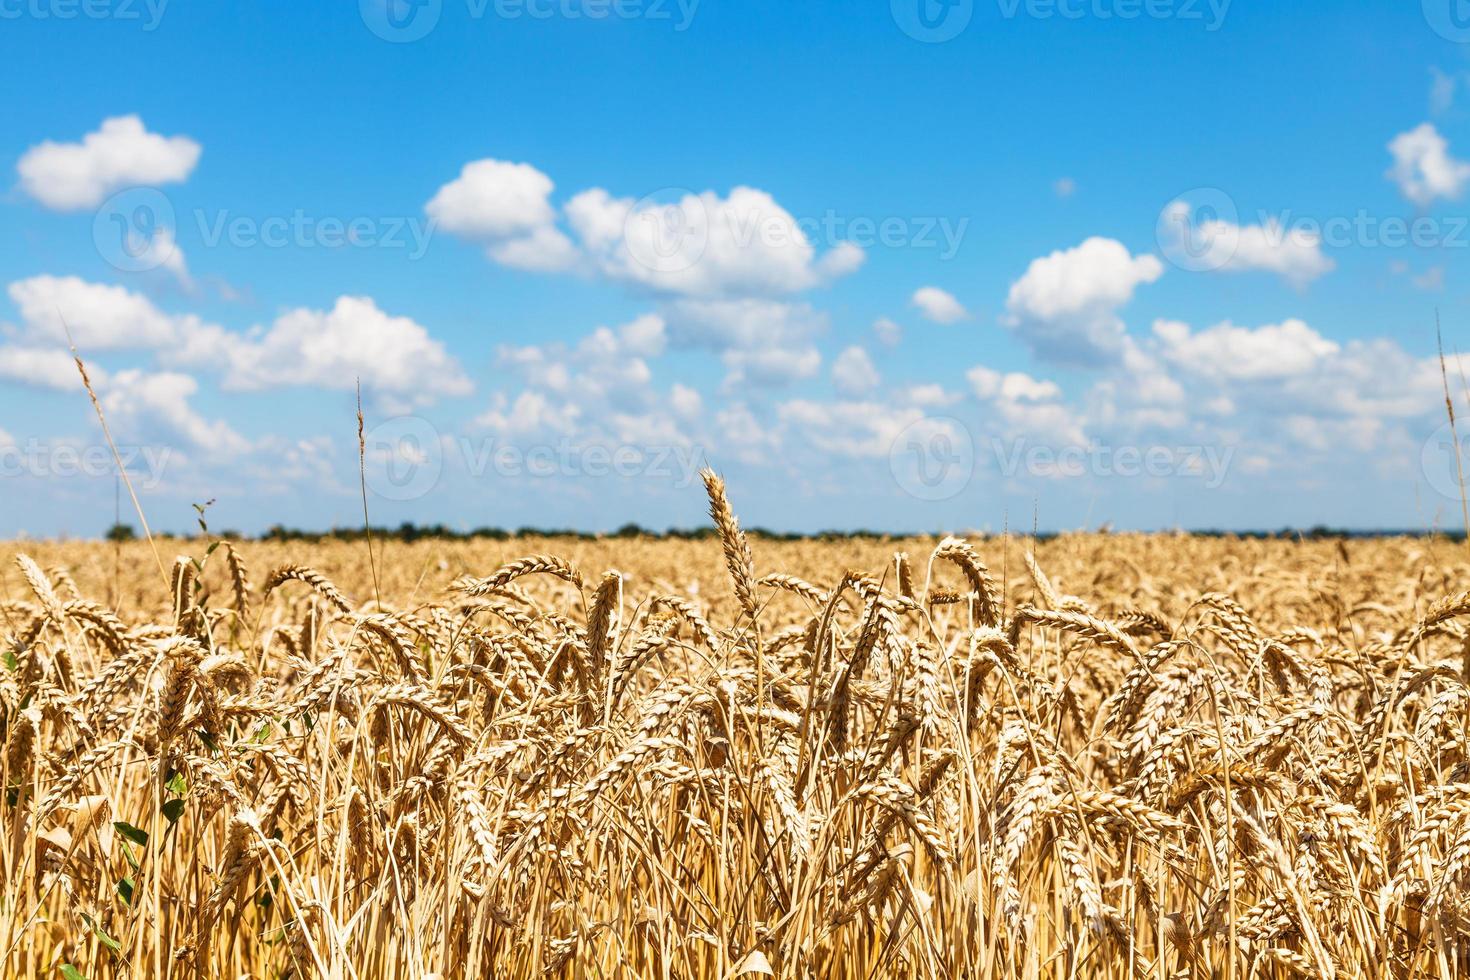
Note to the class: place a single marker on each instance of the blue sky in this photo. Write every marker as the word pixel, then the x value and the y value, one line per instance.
pixel 1080 262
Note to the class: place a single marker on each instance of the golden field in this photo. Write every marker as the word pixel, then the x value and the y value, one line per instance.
pixel 1089 756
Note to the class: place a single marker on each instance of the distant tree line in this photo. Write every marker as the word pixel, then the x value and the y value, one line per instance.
pixel 408 531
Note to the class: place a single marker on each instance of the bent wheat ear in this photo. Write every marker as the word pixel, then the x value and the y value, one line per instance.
pixel 738 558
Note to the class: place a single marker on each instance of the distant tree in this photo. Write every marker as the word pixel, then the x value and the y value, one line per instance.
pixel 121 532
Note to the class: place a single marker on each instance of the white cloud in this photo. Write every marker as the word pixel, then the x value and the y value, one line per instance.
pixel 532 412
pixel 543 250
pixel 773 367
pixel 46 367
pixel 685 401
pixel 508 207
pixel 121 153
pixel 1065 305
pixel 1026 405
pixel 607 363
pixel 703 245
pixel 744 437
pixel 842 259
pixel 394 357
pixel 853 372
pixel 1294 254
pixel 888 333
pixel 849 429
pixel 1423 168
pixel 100 317
pixel 144 404
pixel 938 305
pixel 1228 352
pixel 928 395
pixel 1442 87
pixel 1064 187
pixel 493 199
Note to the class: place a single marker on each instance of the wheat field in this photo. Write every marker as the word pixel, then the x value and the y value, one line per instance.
pixel 1097 755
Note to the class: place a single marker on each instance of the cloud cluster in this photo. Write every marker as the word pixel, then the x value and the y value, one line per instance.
pixel 121 153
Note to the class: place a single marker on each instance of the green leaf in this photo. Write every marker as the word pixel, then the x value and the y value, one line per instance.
pixel 107 940
pixel 139 837
pixel 10 660
pixel 125 889
pixel 69 972
pixel 172 811
pixel 177 785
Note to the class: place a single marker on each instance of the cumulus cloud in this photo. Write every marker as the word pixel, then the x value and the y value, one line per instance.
pixel 1423 168
pixel 857 429
pixel 853 372
pixel 686 402
pixel 777 366
pixel 703 245
pixel 1026 405
pixel 507 207
pixel 1065 306
pixel 938 305
pixel 149 404
pixel 608 363
pixel 45 367
pixel 100 317
pixel 1227 351
pixel 700 245
pixel 394 357
pixel 761 341
pixel 1294 254
pixel 598 390
pixel 887 333
pixel 121 153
